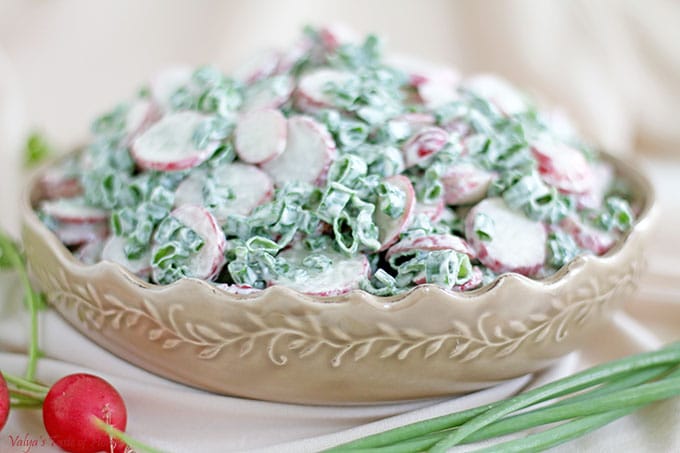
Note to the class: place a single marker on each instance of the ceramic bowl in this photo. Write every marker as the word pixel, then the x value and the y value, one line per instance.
pixel 281 345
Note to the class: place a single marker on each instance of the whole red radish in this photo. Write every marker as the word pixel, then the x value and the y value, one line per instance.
pixel 69 409
pixel 4 402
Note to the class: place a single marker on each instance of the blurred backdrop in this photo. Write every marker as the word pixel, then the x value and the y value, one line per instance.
pixel 614 65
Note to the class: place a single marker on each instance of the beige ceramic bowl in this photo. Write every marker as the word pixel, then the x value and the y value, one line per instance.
pixel 281 345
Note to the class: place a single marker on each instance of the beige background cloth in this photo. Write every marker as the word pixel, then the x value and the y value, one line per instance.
pixel 614 65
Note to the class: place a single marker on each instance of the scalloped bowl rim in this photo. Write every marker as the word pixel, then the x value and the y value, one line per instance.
pixel 387 303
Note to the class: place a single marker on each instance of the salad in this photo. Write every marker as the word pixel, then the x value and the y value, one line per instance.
pixel 328 167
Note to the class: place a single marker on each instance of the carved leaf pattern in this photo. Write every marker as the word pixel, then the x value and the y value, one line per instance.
pixel 304 334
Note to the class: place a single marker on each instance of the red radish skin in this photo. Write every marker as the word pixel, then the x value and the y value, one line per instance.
pixel 309 152
pixel 73 210
pixel 424 144
pixel 241 290
pixel 168 144
pixel 4 402
pixel 518 244
pixel 588 237
pixel 433 211
pixel 208 261
pixel 563 167
pixel 311 88
pixel 261 135
pixel 55 183
pixel 389 228
pixel 430 243
pixel 70 406
pixel 465 184
pixel 335 35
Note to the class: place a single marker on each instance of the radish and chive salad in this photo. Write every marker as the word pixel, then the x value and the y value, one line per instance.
pixel 328 167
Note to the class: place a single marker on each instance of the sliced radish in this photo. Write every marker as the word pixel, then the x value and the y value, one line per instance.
pixel 424 144
pixel 335 35
pixel 168 144
pixel 433 211
pixel 90 252
pixel 436 93
pixel 603 177
pixel 310 150
pixel 261 136
pixel 390 228
pixel 430 243
pixel 415 121
pixel 588 237
pixel 165 84
pixel 81 233
pixel 422 71
pixel 114 251
pixel 73 210
pixel 312 87
pixel 208 261
pixel 140 116
pixel 289 57
pixel 57 182
pixel 257 67
pixel 465 183
pixel 517 243
pixel 268 93
pixel 563 167
pixel 498 91
pixel 343 275
pixel 475 281
pixel 238 289
pixel 250 186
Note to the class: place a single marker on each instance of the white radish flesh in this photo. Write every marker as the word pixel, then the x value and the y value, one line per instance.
pixel 563 167
pixel 257 67
pixel 269 93
pixel 430 243
pixel 433 211
pixel 310 150
pixel 80 233
pixel 390 228
pixel 73 210
pixel 114 251
pixel 465 183
pixel 603 178
pixel 261 136
pixel 168 145
pixel 165 84
pixel 424 144
pixel 517 243
pixel 342 276
pixel 90 252
pixel 312 87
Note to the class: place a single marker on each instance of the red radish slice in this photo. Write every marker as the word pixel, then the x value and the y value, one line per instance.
pixel 498 91
pixel 415 121
pixel 342 276
pixel 563 167
pixel 465 183
pixel 603 177
pixel 312 87
pixel 114 251
pixel 257 67
pixel 261 135
pixel 4 402
pixel 73 210
pixel 388 227
pixel 310 150
pixel 474 282
pixel 425 143
pixel 433 211
pixel 90 253
pixel 141 114
pixel 436 93
pixel 518 244
pixel 238 289
pixel 335 35
pixel 208 261
pixel 59 183
pixel 430 243
pixel 80 233
pixel 168 144
pixel 588 237
pixel 165 84
pixel 269 93
pixel 250 185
